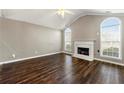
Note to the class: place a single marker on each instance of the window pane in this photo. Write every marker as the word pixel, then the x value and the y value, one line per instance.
pixel 68 40
pixel 68 46
pixel 68 36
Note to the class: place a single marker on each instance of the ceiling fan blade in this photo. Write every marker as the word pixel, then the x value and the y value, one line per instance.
pixel 63 12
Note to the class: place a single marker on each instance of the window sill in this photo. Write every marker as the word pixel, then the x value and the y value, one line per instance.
pixel 116 58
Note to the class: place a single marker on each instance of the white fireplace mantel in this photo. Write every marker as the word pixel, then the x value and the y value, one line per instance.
pixel 84 44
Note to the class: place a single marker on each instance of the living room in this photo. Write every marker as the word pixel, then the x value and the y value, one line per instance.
pixel 84 37
pixel 71 46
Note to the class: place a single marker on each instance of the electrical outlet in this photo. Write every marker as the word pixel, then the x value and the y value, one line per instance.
pixel 13 55
pixel 98 51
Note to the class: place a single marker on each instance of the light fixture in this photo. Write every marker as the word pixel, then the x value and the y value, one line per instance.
pixel 61 12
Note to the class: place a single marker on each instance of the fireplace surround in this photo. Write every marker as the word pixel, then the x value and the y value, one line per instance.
pixel 84 50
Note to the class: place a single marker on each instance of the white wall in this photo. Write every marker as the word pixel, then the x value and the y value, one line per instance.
pixel 27 40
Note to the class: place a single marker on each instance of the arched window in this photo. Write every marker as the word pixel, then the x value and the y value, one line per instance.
pixel 110 35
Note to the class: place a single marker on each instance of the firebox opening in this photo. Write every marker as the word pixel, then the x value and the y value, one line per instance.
pixel 83 51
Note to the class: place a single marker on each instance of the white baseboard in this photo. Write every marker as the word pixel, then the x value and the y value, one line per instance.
pixel 22 59
pixel 108 61
pixel 67 52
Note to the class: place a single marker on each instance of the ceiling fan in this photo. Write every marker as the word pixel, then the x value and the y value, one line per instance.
pixel 62 12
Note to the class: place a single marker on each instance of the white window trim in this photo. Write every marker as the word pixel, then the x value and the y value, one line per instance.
pixel 120 49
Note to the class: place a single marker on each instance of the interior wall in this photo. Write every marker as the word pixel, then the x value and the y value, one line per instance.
pixel 26 40
pixel 88 28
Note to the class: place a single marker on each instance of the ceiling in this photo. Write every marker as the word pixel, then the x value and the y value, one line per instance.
pixel 49 18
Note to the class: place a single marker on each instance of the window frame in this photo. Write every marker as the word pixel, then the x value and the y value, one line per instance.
pixel 120 46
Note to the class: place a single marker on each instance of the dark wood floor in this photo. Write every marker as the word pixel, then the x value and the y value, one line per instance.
pixel 59 69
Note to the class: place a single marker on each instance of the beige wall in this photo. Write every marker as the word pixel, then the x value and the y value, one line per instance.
pixel 26 40
pixel 86 28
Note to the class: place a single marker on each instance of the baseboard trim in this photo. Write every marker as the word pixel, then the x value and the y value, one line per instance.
pixel 108 61
pixel 67 52
pixel 22 59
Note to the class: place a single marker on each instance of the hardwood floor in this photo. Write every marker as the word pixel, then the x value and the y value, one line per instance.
pixel 59 69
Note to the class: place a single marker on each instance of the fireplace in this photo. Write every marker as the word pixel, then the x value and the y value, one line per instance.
pixel 84 50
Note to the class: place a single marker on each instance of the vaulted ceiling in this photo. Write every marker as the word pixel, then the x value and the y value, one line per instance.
pixel 49 17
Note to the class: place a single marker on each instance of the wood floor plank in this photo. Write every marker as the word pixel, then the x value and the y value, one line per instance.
pixel 61 69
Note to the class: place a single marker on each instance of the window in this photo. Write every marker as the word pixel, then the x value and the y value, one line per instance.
pixel 67 40
pixel 111 38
